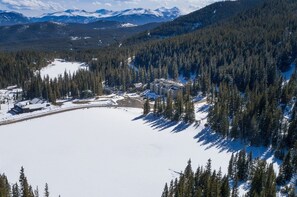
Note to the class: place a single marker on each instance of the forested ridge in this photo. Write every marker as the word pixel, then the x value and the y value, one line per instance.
pixel 209 15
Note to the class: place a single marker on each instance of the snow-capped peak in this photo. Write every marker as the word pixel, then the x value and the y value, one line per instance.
pixel 74 12
pixel 137 16
pixel 103 13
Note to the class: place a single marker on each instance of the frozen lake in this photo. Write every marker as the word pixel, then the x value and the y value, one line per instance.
pixel 59 66
pixel 106 152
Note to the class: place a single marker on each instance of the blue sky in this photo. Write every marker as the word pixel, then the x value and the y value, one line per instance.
pixel 38 7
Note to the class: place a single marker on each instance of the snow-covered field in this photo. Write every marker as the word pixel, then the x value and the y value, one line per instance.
pixel 110 151
pixel 58 67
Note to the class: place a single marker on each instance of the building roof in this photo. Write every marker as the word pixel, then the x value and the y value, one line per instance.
pixel 36 101
pixel 23 103
pixel 35 106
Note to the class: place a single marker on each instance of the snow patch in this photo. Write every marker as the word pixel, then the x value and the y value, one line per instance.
pixel 59 66
pixel 74 38
pixel 130 62
pixel 128 25
pixel 288 74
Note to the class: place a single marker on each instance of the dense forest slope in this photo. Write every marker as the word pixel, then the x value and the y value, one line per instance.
pixel 209 15
pixel 239 64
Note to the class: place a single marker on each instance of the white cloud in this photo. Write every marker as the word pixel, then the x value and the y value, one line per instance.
pixel 97 3
pixel 108 4
pixel 31 5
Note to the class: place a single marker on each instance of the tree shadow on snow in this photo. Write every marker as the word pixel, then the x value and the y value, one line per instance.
pixel 203 108
pixel 207 138
pixel 210 139
pixel 160 123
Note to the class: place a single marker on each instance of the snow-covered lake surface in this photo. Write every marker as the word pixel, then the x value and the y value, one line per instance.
pixel 110 151
pixel 59 66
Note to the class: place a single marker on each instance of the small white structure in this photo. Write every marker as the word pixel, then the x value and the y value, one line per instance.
pixel 164 87
pixel 138 85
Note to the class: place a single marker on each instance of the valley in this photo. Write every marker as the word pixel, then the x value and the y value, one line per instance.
pixel 153 101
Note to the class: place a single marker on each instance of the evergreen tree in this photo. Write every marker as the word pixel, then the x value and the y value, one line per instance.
pixel 169 107
pixel 146 107
pixel 165 192
pixel 46 192
pixel 24 186
pixel 15 190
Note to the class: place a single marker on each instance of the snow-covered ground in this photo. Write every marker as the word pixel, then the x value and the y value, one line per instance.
pixel 111 151
pixel 128 25
pixel 131 64
pixel 287 75
pixel 58 67
pixel 66 105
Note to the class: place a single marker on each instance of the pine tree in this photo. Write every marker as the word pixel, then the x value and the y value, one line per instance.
pixel 146 107
pixel 4 186
pixel 286 170
pixel 225 188
pixel 169 107
pixel 36 192
pixel 258 179
pixel 165 192
pixel 231 166
pixel 189 111
pixel 179 107
pixel 15 190
pixel 46 192
pixel 24 186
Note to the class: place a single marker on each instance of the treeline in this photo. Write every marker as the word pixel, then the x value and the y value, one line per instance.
pixel 203 182
pixel 66 85
pixel 257 174
pixel 20 189
pixel 180 108
pixel 19 67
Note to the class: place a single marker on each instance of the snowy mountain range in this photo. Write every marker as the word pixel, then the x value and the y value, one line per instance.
pixel 136 16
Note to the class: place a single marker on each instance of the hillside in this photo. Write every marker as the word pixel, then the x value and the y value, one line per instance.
pixel 238 63
pixel 61 36
pixel 209 15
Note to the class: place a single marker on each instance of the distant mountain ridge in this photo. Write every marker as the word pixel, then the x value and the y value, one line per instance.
pixel 137 16
pixel 12 18
pixel 72 36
